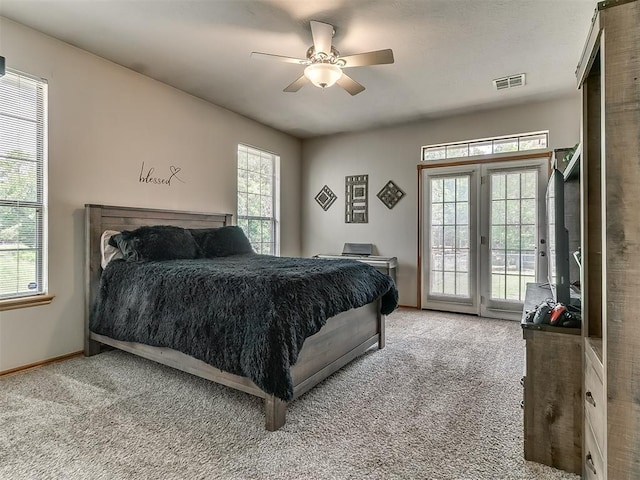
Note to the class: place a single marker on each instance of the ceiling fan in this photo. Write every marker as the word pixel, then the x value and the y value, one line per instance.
pixel 324 64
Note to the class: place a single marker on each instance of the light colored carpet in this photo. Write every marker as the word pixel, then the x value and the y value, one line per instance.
pixel 441 401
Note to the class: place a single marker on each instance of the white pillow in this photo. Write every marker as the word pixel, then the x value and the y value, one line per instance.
pixel 107 252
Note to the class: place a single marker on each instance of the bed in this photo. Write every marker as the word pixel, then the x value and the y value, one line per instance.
pixel 308 355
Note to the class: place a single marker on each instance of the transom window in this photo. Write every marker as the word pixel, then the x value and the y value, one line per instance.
pixel 486 146
pixel 23 131
pixel 258 195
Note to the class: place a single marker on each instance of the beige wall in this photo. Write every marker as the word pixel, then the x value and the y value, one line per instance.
pixel 104 121
pixel 392 154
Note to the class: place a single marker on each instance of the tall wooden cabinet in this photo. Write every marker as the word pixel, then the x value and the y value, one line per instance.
pixel 609 77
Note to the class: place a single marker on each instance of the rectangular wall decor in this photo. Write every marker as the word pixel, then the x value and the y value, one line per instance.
pixel 356 199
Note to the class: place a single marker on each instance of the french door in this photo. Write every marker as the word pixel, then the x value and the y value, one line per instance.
pixel 483 237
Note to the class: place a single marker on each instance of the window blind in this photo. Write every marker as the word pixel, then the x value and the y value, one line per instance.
pixel 23 130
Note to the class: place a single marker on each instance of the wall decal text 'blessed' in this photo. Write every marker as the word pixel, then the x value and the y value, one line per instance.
pixel 150 178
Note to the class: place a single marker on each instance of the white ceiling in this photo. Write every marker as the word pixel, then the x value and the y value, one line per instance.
pixel 447 52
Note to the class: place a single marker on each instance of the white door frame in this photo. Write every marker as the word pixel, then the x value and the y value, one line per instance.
pixel 508 309
pixel 444 302
pixel 538 159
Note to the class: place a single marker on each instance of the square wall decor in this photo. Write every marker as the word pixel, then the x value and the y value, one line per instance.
pixel 390 194
pixel 325 198
pixel 356 199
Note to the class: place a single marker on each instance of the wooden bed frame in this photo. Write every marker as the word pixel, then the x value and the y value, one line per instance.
pixel 343 337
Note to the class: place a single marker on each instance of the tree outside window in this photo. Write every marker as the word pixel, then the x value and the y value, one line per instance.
pixel 22 185
pixel 257 198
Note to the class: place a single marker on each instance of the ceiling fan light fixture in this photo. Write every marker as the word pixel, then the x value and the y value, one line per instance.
pixel 323 75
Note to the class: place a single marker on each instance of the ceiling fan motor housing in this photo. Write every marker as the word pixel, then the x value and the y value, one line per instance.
pixel 322 57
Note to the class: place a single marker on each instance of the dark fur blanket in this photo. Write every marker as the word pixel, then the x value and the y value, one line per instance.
pixel 245 314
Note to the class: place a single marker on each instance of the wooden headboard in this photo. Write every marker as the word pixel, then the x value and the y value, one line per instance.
pixel 99 218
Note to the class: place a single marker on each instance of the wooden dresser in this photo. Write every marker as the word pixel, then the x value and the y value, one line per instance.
pixel 552 396
pixel 609 77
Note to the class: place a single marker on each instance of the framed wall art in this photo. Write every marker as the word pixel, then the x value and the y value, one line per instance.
pixel 325 198
pixel 356 199
pixel 390 194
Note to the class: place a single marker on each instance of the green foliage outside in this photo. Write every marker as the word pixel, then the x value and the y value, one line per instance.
pixel 255 200
pixel 512 236
pixel 18 224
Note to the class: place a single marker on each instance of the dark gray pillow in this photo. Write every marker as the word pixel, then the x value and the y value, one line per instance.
pixel 199 234
pixel 158 242
pixel 222 242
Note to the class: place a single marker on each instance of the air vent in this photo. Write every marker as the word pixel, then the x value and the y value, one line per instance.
pixel 509 82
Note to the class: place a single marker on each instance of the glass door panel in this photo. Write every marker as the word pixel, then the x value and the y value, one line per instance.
pixel 513 238
pixel 513 219
pixel 449 229
pixel 449 273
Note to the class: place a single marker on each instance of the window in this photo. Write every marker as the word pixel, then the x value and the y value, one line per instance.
pixel 257 198
pixel 486 146
pixel 23 152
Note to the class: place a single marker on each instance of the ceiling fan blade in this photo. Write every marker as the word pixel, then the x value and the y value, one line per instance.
pixel 379 57
pixel 322 34
pixel 350 85
pixel 279 58
pixel 297 84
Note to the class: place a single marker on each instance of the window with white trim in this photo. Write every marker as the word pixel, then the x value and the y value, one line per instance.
pixel 486 146
pixel 258 193
pixel 23 182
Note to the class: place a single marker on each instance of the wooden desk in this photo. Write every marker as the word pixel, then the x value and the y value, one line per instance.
pixel 388 265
